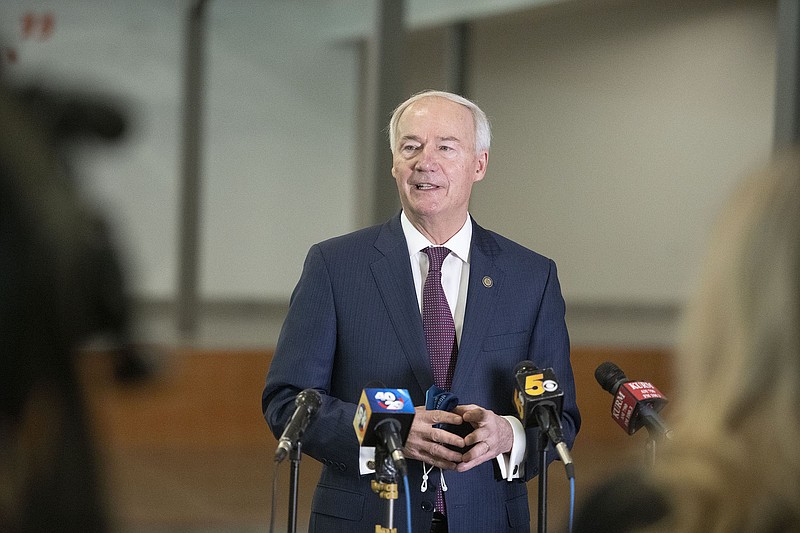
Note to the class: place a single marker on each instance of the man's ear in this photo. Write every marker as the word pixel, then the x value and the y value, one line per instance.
pixel 483 162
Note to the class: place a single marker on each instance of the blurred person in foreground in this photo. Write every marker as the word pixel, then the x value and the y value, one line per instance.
pixel 734 463
pixel 356 317
pixel 61 283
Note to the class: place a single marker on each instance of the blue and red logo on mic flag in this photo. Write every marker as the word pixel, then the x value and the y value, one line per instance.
pixel 377 402
pixel 390 400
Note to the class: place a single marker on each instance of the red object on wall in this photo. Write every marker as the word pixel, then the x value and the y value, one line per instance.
pixel 37 25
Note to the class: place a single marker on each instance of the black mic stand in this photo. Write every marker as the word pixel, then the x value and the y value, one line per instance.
pixel 650 449
pixel 294 477
pixel 655 436
pixel 657 431
pixel 385 486
pixel 544 440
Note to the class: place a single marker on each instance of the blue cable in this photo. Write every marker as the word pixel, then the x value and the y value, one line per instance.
pixel 408 502
pixel 571 502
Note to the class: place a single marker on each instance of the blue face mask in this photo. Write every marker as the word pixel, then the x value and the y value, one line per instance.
pixel 442 400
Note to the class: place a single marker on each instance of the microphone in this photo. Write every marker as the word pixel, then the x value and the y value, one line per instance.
pixel 383 418
pixel 539 401
pixel 307 403
pixel 636 403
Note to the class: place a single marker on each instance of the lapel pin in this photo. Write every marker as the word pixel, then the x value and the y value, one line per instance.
pixel 487 282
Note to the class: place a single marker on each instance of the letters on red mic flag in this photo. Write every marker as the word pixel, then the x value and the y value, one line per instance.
pixel 629 397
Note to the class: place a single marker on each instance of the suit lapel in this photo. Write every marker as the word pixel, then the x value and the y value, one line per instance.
pixel 485 279
pixel 393 277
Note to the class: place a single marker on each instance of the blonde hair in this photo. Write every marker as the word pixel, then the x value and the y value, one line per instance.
pixel 735 463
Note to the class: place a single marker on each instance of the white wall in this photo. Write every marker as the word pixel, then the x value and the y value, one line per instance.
pixel 618 130
pixel 278 170
pixel 281 154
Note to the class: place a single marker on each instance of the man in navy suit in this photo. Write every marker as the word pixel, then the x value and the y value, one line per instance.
pixel 355 318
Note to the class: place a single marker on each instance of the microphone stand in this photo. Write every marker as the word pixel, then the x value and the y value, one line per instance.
pixel 385 486
pixel 542 499
pixel 650 450
pixel 654 438
pixel 294 477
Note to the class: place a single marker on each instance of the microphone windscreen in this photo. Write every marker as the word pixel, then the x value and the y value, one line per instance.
pixel 609 376
pixel 524 366
pixel 309 399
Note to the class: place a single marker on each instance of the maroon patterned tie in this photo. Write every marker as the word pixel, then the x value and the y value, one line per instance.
pixel 440 331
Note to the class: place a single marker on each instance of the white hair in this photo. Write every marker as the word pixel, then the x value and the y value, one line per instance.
pixel 483 131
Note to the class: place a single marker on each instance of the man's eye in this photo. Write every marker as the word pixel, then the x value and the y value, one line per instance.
pixel 409 147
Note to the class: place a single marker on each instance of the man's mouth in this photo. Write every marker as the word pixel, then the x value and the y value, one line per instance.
pixel 424 186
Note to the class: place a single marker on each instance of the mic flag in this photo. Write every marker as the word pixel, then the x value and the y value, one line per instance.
pixel 636 403
pixel 534 388
pixel 383 418
pixel 628 401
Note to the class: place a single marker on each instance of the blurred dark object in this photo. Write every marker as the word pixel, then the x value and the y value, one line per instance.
pixel 61 283
pixel 67 116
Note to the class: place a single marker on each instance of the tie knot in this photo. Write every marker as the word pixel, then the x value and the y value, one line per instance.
pixel 436 255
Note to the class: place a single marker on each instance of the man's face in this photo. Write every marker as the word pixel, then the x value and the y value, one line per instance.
pixel 434 161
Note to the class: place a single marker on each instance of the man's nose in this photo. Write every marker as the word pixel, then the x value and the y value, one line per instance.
pixel 427 160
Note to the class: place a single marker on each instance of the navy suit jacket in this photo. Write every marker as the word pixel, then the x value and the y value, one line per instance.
pixel 354 318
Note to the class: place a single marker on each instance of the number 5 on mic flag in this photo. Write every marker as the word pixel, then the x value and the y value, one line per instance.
pixel 536 388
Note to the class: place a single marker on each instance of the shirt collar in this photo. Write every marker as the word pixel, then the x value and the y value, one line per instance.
pixel 458 243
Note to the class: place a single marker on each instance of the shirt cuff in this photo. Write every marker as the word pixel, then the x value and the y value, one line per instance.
pixel 510 463
pixel 366 455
